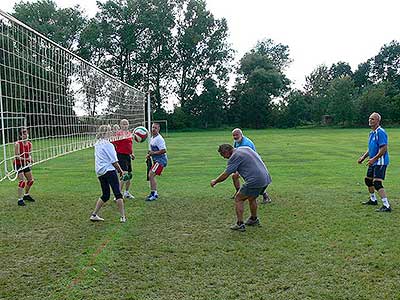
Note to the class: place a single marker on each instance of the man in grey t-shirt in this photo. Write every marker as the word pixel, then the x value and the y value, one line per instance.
pixel 253 170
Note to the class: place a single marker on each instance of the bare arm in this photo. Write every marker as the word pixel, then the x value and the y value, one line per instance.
pixel 363 157
pixel 219 179
pixel 16 150
pixel 381 152
pixel 118 168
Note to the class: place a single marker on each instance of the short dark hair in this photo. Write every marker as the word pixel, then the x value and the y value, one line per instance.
pixel 21 130
pixel 224 148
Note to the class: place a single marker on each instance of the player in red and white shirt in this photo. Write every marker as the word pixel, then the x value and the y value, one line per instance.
pixel 22 164
pixel 123 143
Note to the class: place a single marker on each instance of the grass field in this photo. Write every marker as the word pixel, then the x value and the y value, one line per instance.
pixel 316 240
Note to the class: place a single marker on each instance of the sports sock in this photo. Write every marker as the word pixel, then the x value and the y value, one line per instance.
pixel 372 197
pixel 155 193
pixel 385 202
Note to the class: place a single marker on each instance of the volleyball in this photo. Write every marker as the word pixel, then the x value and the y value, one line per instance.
pixel 140 134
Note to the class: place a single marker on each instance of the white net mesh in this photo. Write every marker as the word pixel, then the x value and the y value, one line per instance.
pixel 60 98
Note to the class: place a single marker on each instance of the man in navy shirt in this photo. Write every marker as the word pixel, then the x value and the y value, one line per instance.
pixel 377 163
pixel 239 140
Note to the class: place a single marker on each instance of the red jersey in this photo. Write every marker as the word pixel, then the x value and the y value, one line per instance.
pixel 123 143
pixel 24 156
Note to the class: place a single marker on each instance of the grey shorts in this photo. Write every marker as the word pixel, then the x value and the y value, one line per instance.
pixel 252 191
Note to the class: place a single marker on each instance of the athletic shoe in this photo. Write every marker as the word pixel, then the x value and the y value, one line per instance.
pixel 251 222
pixel 96 218
pixel 384 209
pixel 152 198
pixel 238 227
pixel 370 202
pixel 266 199
pixel 128 195
pixel 28 198
pixel 21 203
pixel 122 219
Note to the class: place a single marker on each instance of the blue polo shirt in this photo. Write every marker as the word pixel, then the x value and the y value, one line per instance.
pixel 377 139
pixel 245 142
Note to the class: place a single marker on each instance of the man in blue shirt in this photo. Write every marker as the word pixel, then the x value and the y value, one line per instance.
pixel 239 140
pixel 377 163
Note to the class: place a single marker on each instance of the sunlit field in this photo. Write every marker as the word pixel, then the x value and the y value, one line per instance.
pixel 316 240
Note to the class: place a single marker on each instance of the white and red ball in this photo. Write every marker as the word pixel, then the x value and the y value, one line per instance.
pixel 140 134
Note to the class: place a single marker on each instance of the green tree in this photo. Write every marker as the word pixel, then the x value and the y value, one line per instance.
pixel 208 107
pixel 362 75
pixel 340 95
pixel 201 49
pixel 258 81
pixel 340 70
pixel 373 98
pixel 61 25
pixel 386 64
pixel 296 109
pixel 316 87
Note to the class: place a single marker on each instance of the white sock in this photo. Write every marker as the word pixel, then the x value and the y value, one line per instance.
pixel 372 197
pixel 385 202
pixel 26 194
pixel 155 192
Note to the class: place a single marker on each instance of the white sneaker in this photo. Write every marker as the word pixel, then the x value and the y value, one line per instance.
pixel 128 195
pixel 95 218
pixel 122 219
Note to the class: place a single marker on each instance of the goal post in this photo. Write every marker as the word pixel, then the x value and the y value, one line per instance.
pixel 59 97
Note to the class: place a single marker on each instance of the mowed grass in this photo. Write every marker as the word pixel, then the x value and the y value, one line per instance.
pixel 316 240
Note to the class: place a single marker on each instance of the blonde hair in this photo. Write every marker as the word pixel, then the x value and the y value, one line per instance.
pixel 102 131
pixel 125 121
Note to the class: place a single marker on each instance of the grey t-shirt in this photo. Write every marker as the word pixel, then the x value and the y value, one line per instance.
pixel 250 166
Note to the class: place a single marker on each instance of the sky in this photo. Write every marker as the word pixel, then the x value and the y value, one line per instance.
pixel 316 31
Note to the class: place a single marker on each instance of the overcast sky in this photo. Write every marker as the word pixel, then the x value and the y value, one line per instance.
pixel 316 31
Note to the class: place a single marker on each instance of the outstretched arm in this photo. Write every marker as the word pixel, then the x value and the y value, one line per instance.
pixel 219 179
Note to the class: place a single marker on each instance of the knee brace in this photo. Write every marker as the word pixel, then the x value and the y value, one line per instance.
pixel 21 184
pixel 378 185
pixel 368 182
pixel 30 182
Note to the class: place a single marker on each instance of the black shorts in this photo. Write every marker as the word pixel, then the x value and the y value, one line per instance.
pixel 376 172
pixel 107 180
pixel 19 169
pixel 124 161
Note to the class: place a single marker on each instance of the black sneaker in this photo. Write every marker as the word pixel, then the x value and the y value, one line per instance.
pixel 252 222
pixel 21 203
pixel 370 202
pixel 238 227
pixel 28 198
pixel 384 209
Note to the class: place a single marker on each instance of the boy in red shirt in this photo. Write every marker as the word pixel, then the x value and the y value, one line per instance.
pixel 22 163
pixel 123 143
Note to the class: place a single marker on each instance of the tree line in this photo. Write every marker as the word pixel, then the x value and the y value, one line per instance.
pixel 177 48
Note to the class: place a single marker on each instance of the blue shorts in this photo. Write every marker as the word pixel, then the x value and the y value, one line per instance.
pixel 377 172
pixel 107 180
